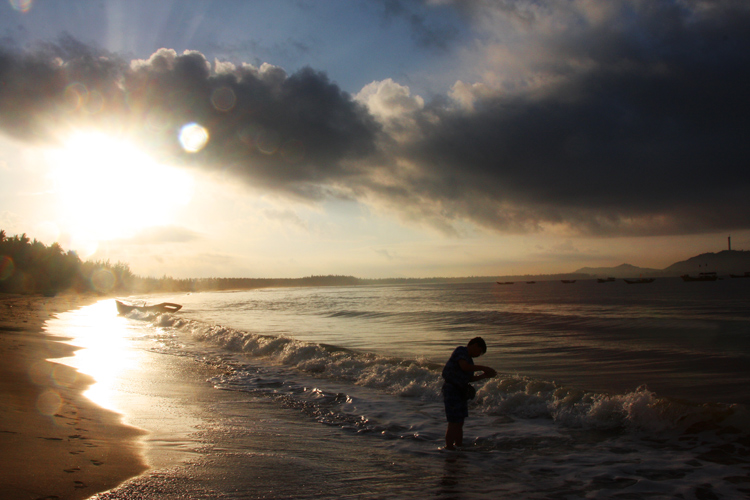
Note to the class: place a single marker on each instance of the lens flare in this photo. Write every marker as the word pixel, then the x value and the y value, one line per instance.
pixel 223 99
pixel 74 96
pixel 268 141
pixel 94 103
pixel 48 402
pixel 21 5
pixel 193 137
pixel 103 280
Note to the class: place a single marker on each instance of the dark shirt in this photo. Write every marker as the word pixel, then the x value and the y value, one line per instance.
pixel 452 372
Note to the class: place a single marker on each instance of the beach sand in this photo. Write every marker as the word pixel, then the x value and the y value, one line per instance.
pixel 54 442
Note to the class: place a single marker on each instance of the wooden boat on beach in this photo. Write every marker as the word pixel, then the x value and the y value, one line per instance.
pixel 164 307
pixel 605 280
pixel 746 275
pixel 639 281
pixel 568 281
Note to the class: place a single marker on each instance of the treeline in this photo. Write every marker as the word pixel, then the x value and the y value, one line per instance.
pixel 29 267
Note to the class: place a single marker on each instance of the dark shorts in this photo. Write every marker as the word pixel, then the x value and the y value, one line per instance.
pixel 456 407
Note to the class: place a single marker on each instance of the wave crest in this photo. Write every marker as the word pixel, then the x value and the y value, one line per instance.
pixel 639 411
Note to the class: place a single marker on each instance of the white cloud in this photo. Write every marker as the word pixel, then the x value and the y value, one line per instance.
pixel 392 105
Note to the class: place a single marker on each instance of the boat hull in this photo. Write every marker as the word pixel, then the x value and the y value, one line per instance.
pixel 164 307
pixel 702 277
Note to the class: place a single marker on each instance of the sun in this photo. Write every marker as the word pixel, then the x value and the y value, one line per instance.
pixel 107 188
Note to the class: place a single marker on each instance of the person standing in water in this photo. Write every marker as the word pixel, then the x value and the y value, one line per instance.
pixel 458 373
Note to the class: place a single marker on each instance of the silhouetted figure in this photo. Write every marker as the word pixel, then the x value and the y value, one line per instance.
pixel 457 373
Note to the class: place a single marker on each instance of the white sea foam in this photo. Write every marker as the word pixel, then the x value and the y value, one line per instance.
pixel 520 397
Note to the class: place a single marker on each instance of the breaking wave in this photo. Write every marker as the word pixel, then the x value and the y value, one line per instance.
pixel 507 396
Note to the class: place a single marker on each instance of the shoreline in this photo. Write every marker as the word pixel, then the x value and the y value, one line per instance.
pixel 54 442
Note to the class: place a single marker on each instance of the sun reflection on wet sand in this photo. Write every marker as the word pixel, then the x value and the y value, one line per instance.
pixel 159 394
pixel 105 352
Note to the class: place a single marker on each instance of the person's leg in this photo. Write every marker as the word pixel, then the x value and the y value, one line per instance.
pixel 454 435
pixel 456 410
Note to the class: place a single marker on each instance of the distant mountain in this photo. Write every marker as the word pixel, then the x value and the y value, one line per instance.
pixel 621 271
pixel 723 263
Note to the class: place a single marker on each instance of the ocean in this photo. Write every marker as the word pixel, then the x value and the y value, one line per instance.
pixel 604 390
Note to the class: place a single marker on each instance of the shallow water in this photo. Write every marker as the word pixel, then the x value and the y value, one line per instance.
pixel 605 391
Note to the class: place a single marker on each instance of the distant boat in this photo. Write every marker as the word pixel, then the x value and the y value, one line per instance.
pixel 746 275
pixel 638 281
pixel 700 277
pixel 531 282
pixel 568 281
pixel 505 282
pixel 164 307
pixel 605 280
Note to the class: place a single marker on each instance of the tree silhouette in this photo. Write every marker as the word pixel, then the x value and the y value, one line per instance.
pixel 32 267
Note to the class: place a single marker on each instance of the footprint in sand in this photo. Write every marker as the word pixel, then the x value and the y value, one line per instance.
pixel 50 439
pixel 96 462
pixel 79 484
pixel 71 470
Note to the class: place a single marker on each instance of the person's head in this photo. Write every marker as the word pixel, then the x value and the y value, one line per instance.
pixel 477 346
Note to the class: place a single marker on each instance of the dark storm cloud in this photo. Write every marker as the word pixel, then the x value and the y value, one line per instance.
pixel 600 118
pixel 640 127
pixel 290 132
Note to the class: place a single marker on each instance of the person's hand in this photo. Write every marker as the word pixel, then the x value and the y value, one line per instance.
pixel 489 373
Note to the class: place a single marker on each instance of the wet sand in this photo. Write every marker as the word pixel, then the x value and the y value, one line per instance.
pixel 54 442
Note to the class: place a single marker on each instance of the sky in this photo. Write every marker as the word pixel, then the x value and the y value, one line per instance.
pixel 378 138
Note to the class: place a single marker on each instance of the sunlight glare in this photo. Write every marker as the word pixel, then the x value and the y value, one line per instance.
pixel 105 351
pixel 110 189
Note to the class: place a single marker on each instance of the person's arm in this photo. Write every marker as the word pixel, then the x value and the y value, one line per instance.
pixel 487 372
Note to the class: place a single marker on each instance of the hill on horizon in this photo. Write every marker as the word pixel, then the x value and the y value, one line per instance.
pixel 724 262
pixel 621 271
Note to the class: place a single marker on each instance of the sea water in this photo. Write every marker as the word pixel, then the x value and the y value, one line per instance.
pixel 605 390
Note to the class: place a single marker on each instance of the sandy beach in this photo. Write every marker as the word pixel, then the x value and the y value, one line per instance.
pixel 54 442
